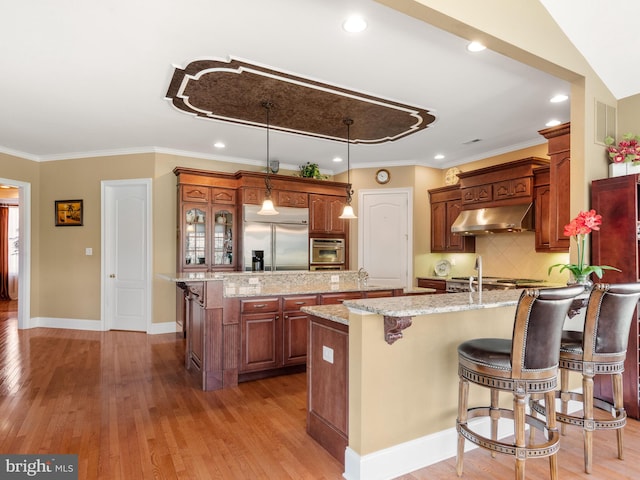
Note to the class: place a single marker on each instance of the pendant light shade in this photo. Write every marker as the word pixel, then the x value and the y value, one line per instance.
pixel 347 213
pixel 267 204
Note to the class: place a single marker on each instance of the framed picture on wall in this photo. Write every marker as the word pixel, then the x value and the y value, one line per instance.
pixel 69 213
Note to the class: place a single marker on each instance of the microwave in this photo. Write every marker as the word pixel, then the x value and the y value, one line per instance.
pixel 326 250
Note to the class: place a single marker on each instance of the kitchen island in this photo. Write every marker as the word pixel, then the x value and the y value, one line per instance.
pixel 241 326
pixel 401 397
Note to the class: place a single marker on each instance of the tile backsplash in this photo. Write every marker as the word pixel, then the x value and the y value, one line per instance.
pixel 505 255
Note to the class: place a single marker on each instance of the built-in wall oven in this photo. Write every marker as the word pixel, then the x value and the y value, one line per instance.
pixel 326 252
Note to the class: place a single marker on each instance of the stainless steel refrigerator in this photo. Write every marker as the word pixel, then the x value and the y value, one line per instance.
pixel 284 238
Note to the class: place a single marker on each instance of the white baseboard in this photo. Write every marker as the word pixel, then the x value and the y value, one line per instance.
pixel 410 456
pixel 65 323
pixel 93 325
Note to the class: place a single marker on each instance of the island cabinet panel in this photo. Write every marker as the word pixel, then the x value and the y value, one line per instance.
pixel 617 244
pixel 295 328
pixel 328 385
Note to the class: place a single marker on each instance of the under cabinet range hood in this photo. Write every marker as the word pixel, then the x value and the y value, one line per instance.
pixel 481 221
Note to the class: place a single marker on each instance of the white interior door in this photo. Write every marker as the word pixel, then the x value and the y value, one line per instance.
pixel 126 255
pixel 385 236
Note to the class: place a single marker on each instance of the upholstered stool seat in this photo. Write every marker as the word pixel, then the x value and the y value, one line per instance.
pixel 600 349
pixel 527 363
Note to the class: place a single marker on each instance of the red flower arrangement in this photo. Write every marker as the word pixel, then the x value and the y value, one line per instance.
pixel 579 228
pixel 628 150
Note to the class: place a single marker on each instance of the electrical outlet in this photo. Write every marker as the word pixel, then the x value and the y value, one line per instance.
pixel 335 278
pixel 327 354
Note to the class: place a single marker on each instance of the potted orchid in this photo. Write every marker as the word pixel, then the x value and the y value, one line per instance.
pixel 579 228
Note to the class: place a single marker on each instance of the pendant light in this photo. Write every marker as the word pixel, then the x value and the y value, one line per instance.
pixel 267 204
pixel 347 213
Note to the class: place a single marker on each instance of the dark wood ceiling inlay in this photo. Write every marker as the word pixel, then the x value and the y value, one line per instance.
pixel 233 91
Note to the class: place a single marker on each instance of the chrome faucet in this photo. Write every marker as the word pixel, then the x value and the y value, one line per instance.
pixel 478 267
pixel 363 276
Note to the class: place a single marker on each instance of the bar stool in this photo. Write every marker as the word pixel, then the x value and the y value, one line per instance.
pixel 600 349
pixel 527 363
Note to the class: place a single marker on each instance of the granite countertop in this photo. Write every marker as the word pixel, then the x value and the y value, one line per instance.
pixel 412 306
pixel 337 313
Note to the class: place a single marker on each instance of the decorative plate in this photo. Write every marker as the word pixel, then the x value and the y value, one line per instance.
pixel 451 176
pixel 443 268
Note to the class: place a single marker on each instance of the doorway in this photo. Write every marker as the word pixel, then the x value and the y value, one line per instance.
pixel 126 255
pixel 24 250
pixel 385 236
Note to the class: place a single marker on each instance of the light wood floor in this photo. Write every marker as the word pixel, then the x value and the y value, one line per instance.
pixel 121 401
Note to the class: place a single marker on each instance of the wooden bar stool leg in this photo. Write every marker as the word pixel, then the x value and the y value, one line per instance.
pixel 616 380
pixel 549 400
pixel 519 424
pixel 589 424
pixel 495 416
pixel 463 394
pixel 564 396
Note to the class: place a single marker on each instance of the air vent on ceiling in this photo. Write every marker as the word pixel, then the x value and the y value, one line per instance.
pixel 469 142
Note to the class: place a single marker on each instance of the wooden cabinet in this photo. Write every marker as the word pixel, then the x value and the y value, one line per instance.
pixel 206 230
pixel 210 209
pixel 274 332
pixel 260 327
pixel 479 193
pixel 616 244
pixel 542 202
pixel 559 141
pixel 295 328
pixel 439 285
pixel 328 385
pixel 446 204
pixel 504 184
pixel 324 213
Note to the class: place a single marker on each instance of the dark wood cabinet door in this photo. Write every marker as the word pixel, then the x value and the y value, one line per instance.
pixel 454 243
pixel 616 244
pixel 296 325
pixel 324 213
pixel 196 325
pixel 543 207
pixel 438 227
pixel 260 341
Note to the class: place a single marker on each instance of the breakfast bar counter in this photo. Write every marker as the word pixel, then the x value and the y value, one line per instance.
pixel 397 409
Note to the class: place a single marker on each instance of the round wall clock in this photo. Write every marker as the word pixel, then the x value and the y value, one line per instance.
pixel 451 176
pixel 383 176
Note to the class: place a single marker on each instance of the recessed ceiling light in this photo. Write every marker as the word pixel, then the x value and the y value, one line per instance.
pixel 439 157
pixel 219 145
pixel 475 47
pixel 553 123
pixel 337 159
pixel 354 24
pixel 559 98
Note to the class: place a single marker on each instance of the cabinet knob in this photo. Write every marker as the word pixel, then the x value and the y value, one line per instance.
pixel 113 275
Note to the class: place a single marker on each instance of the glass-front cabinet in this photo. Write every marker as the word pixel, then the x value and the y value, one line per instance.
pixel 207 230
pixel 223 238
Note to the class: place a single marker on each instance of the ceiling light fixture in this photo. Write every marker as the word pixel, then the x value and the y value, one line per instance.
pixel 439 156
pixel 219 145
pixel 267 204
pixel 559 98
pixel 475 47
pixel 354 24
pixel 347 213
pixel 553 123
pixel 337 159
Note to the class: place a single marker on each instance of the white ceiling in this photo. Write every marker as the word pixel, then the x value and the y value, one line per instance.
pixel 89 78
